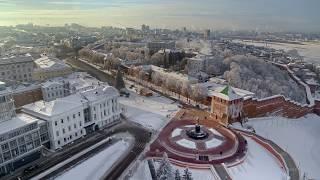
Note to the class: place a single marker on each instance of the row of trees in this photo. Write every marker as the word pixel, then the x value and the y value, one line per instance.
pixel 179 86
pixel 107 61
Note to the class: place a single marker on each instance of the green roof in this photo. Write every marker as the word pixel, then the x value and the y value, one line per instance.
pixel 225 91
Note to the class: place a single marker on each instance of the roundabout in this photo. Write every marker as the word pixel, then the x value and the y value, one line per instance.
pixel 191 142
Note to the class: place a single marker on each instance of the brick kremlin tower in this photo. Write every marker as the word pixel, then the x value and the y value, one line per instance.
pixel 226 105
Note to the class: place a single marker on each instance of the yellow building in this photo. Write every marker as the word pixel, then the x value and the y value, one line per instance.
pixel 50 67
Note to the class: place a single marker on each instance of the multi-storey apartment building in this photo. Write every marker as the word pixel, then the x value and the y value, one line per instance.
pixel 16 68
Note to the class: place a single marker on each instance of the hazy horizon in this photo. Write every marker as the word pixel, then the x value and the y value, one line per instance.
pixel 271 15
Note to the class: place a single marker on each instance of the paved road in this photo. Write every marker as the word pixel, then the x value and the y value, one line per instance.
pixel 140 134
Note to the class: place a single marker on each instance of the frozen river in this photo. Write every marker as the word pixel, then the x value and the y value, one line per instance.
pixel 309 50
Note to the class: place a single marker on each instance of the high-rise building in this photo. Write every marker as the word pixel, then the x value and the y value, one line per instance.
pixel 206 34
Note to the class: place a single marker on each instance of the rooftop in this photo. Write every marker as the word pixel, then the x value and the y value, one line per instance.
pixel 98 92
pixel 46 62
pixel 16 59
pixel 57 106
pixel 226 93
pixel 16 122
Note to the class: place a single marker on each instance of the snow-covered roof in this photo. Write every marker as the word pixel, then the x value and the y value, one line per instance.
pixel 178 76
pixel 16 122
pixel 50 63
pixel 216 86
pixel 50 83
pixel 16 59
pixel 226 93
pixel 98 92
pixel 57 106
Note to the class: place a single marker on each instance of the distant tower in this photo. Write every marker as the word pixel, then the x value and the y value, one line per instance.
pixel 206 34
pixel 7 108
pixel 226 105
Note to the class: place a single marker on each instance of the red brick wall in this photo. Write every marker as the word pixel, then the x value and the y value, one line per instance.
pixel 27 97
pixel 277 105
pixel 317 107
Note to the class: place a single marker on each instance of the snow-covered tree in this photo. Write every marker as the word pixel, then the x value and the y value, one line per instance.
pixel 186 89
pixel 199 93
pixel 177 175
pixel 187 175
pixel 165 171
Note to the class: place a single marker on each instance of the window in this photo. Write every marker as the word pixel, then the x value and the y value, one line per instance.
pixel 79 114
pixel 70 137
pixel 76 134
pixel 75 126
pixel 64 139
pixel 80 124
pixel 74 116
pixel 5 147
pixel 55 123
pixel 81 132
pixel 62 121
pixel 68 118
pixel 57 133
pixel 58 142
pixel 63 131
pixel 69 128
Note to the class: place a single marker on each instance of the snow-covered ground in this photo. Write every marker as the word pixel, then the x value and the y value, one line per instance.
pixel 299 137
pixel 151 112
pixel 187 143
pixel 310 51
pixel 259 164
pixel 96 166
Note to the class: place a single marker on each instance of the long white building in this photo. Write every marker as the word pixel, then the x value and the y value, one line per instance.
pixel 74 116
pixel 21 135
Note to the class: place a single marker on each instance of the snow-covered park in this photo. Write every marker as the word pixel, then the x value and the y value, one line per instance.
pixel 151 112
pixel 96 166
pixel 299 137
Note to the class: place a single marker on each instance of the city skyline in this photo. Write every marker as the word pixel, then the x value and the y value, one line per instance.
pixel 285 15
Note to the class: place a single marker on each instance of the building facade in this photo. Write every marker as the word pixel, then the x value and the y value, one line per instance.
pixel 226 105
pixel 71 117
pixel 16 69
pixel 50 67
pixel 52 90
pixel 21 136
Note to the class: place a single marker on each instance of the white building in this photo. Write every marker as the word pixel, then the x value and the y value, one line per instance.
pixel 52 90
pixel 74 116
pixel 196 65
pixel 21 136
pixel 16 68
pixel 7 110
pixel 63 86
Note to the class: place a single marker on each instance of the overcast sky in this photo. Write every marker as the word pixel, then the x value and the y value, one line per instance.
pixel 273 15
